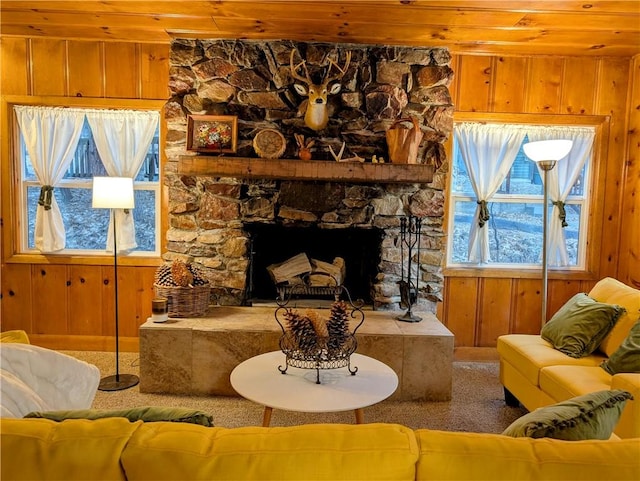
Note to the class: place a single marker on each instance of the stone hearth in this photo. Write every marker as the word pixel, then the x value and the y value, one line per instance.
pixel 197 355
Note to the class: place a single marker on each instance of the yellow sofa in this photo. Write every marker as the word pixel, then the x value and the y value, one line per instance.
pixel 116 449
pixel 535 374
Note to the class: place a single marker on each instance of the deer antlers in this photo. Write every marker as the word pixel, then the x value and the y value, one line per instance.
pixel 328 79
pixel 342 70
pixel 338 157
pixel 294 70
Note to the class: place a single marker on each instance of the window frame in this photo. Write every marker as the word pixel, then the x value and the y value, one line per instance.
pixel 594 192
pixel 12 187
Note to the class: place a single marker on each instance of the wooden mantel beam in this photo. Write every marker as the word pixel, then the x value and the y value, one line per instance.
pixel 254 168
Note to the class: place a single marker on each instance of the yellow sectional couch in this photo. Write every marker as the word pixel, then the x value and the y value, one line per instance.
pixel 116 449
pixel 535 374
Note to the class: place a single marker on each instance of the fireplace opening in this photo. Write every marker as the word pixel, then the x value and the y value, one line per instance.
pixel 275 243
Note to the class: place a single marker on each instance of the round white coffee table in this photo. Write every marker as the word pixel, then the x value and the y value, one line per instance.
pixel 259 380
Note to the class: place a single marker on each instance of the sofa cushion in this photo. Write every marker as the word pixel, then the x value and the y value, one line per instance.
pixel 628 427
pixel 591 416
pixel 612 291
pixel 73 450
pixel 457 455
pixel 580 325
pixel 627 357
pixel 566 382
pixel 528 353
pixel 171 451
pixel 147 414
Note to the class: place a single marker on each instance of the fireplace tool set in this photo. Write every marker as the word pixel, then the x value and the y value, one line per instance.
pixel 311 342
pixel 410 230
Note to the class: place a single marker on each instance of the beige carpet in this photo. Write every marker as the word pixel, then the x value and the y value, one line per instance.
pixel 477 403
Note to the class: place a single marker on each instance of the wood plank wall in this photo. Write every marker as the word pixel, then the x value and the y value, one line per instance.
pixel 70 305
pixel 571 86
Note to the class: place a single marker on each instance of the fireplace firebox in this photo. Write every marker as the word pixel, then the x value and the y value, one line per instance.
pixel 274 243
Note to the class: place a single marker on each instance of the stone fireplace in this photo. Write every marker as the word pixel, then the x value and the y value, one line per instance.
pixel 219 222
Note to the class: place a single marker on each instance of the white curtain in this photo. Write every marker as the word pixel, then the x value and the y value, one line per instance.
pixel 488 151
pixel 561 179
pixel 51 135
pixel 122 138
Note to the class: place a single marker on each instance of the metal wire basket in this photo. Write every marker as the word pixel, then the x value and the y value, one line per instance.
pixel 319 352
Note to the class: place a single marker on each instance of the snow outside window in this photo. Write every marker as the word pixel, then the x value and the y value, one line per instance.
pixel 87 228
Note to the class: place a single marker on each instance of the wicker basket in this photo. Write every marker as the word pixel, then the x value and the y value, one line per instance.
pixel 185 301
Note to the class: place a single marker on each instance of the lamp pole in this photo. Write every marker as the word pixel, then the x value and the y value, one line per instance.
pixel 546 166
pixel 115 285
pixel 546 153
pixel 115 193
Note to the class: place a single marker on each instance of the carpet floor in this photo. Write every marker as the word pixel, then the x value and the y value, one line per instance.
pixel 477 403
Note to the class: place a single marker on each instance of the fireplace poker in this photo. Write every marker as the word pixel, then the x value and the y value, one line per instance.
pixel 410 230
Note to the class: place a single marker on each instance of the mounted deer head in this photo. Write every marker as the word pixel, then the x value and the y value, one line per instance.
pixel 316 116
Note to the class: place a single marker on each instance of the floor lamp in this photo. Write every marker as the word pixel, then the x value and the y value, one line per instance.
pixel 114 193
pixel 546 153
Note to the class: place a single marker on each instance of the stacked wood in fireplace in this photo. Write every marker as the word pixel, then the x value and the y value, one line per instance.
pixel 300 269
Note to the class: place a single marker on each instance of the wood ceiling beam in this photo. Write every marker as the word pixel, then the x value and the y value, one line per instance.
pixel 184 7
pixel 262 11
pixel 545 27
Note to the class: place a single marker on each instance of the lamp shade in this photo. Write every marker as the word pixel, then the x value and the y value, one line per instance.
pixel 112 193
pixel 547 149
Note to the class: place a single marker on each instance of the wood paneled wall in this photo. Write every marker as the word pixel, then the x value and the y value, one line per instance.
pixel 499 303
pixel 70 305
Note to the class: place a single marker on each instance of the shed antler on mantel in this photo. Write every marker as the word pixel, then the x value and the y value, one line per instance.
pixel 338 157
pixel 316 116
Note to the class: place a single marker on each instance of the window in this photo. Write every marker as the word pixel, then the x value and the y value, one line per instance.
pixel 514 226
pixel 86 228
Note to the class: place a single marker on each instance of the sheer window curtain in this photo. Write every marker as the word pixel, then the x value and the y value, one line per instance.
pixel 51 135
pixel 122 138
pixel 488 151
pixel 561 179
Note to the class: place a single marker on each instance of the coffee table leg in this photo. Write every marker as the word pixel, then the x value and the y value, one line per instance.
pixel 359 416
pixel 266 418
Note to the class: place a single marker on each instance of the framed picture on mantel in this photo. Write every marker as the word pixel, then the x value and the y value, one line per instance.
pixel 212 133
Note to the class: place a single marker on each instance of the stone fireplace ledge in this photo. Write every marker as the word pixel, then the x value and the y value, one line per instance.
pixel 196 355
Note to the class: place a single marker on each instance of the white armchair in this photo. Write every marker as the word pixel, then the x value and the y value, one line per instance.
pixel 33 378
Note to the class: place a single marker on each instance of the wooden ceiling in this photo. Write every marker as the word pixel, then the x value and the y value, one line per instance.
pixel 507 27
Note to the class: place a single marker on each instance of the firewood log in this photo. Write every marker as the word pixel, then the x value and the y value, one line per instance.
pixel 285 272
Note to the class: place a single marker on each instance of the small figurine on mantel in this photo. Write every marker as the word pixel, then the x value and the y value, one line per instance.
pixel 304 146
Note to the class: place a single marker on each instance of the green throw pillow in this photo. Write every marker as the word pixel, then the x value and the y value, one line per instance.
pixel 146 414
pixel 579 326
pixel 592 416
pixel 627 357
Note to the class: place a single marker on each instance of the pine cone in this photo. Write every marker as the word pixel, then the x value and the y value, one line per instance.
pixel 294 322
pixel 319 324
pixel 307 340
pixel 199 275
pixel 163 277
pixel 302 330
pixel 338 326
pixel 181 274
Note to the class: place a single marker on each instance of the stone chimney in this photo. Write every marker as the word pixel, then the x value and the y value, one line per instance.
pixel 252 80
